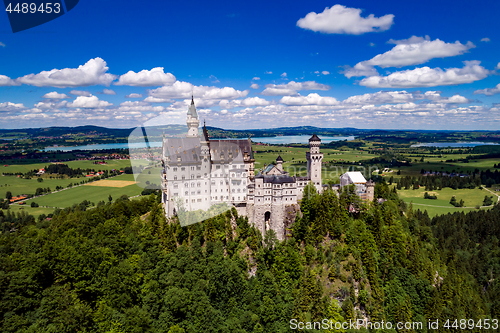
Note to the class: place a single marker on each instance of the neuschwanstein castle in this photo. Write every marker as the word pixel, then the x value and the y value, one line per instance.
pixel 199 172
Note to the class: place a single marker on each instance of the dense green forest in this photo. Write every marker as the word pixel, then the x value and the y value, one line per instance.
pixel 121 267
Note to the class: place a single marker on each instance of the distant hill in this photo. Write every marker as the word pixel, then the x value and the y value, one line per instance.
pixel 97 133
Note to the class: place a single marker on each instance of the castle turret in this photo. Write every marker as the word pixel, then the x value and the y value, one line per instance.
pixel 314 159
pixel 279 163
pixel 192 120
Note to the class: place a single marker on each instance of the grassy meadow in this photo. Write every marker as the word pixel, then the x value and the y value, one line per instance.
pixel 441 205
pixel 90 192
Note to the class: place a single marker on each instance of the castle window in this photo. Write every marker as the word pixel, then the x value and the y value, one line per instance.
pixel 186 193
pixel 192 176
pixel 199 200
pixel 192 168
pixel 198 168
pixel 175 177
pixel 198 192
pixel 175 169
pixel 187 201
pixel 198 176
pixel 192 185
pixel 193 192
pixel 193 200
pixel 199 184
pixel 176 194
pixel 183 177
pixel 217 167
pixel 183 169
pixel 221 182
pixel 176 185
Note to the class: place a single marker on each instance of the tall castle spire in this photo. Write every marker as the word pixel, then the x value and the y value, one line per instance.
pixel 192 120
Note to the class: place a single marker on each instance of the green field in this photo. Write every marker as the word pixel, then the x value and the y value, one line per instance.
pixel 31 211
pixel 471 197
pixel 82 164
pixel 76 195
pixel 18 186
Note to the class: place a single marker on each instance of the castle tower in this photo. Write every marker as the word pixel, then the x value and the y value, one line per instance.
pixel 206 159
pixel 314 159
pixel 370 190
pixel 279 163
pixel 192 120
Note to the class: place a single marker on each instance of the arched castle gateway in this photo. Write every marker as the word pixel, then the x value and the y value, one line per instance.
pixel 199 172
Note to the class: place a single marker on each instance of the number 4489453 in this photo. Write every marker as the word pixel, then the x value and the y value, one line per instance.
pixel 32 8
pixel 471 324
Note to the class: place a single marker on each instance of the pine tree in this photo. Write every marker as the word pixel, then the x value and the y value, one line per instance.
pixel 335 317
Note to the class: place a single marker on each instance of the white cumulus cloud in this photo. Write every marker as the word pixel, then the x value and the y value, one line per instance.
pixel 88 102
pixel 292 87
pixel 250 101
pixel 146 78
pixel 429 77
pixel 133 95
pixel 55 95
pixel 9 106
pixel 412 51
pixel 7 81
pixel 92 73
pixel 344 20
pixel 182 89
pixel 108 92
pixel 256 78
pixel 380 98
pixel 151 99
pixel 488 91
pixel 311 99
pixel 254 86
pixel 485 39
pixel 80 93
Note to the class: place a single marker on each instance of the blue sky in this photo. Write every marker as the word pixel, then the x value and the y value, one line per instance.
pixel 260 64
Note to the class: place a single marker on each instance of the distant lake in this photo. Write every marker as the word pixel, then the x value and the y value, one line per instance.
pixel 271 140
pixel 455 144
